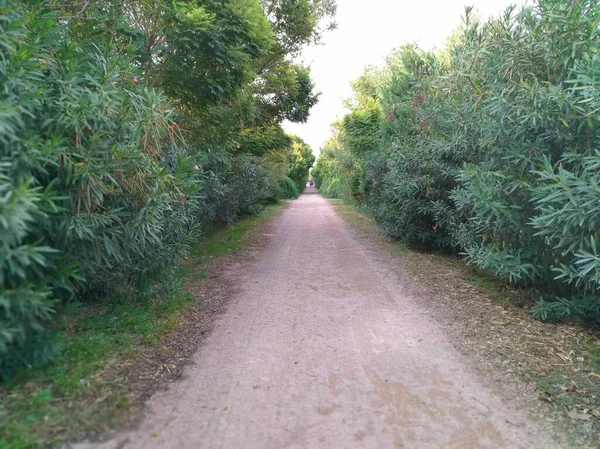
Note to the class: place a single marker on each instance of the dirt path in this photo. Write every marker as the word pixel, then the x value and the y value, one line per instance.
pixel 321 348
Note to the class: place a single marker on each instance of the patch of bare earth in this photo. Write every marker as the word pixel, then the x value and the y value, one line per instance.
pixel 547 367
pixel 134 380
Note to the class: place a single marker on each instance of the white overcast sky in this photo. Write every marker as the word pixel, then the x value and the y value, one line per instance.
pixel 367 32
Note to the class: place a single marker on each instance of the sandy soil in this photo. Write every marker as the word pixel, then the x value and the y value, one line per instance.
pixel 322 347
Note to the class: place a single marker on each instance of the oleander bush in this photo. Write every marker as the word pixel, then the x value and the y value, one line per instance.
pixel 488 147
pixel 124 133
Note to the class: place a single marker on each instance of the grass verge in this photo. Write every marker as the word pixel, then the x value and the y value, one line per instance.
pixel 86 389
pixel 557 365
pixel 223 240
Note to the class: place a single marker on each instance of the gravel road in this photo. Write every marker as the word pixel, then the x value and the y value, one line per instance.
pixel 320 348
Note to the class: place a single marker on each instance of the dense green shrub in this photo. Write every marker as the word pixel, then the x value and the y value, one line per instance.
pixel 490 148
pixel 288 189
pixel 95 186
pixel 245 187
pixel 541 103
pixel 28 268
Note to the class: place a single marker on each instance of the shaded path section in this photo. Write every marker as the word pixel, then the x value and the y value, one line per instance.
pixel 320 348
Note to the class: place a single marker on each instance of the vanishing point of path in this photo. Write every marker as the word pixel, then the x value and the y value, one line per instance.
pixel 320 348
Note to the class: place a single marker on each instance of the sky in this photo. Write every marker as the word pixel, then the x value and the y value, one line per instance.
pixel 368 30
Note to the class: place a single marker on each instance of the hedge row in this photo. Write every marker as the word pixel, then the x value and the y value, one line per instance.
pixel 490 148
